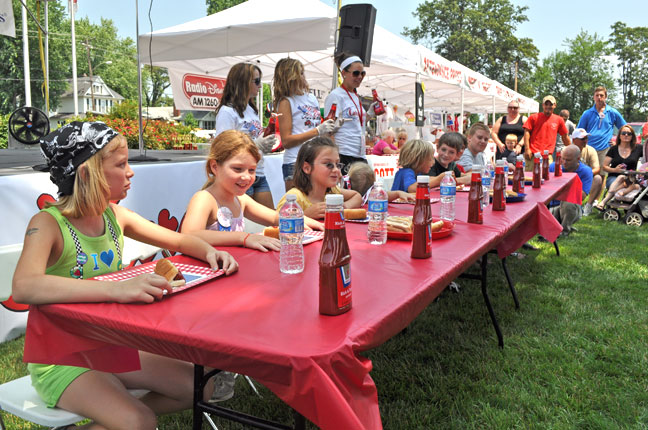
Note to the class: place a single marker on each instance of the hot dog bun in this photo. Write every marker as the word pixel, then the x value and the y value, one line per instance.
pixel 355 213
pixel 271 232
pixel 437 226
pixel 171 273
pixel 399 224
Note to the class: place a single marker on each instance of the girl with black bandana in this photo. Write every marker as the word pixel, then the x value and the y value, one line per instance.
pixel 80 237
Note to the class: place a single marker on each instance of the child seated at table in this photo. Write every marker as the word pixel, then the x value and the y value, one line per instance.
pixel 509 152
pixel 416 158
pixel 89 164
pixel 448 146
pixel 216 213
pixel 361 179
pixel 317 173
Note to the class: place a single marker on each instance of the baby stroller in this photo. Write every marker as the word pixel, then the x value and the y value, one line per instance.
pixel 634 205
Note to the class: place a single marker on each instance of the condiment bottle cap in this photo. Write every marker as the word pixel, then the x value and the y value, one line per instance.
pixel 423 179
pixel 379 181
pixel 334 199
pixel 520 157
pixel 500 163
pixel 537 155
pixel 546 152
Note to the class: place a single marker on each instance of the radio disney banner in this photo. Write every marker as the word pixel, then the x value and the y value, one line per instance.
pixel 196 92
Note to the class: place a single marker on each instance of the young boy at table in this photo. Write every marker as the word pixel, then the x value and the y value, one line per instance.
pixel 509 151
pixel 362 179
pixel 88 162
pixel 415 158
pixel 447 147
pixel 478 136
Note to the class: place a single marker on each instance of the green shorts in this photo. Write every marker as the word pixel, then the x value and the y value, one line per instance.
pixel 50 380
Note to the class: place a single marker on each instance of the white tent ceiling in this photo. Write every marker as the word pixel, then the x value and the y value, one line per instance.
pixel 262 32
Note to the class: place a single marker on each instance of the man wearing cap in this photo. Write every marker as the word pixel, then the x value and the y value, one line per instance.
pixel 599 121
pixel 541 129
pixel 589 157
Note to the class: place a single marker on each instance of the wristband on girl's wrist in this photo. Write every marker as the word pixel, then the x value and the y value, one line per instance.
pixel 245 238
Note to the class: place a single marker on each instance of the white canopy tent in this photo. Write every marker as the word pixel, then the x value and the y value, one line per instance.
pixel 263 32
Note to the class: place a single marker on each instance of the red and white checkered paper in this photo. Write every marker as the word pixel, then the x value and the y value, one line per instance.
pixel 311 236
pixel 204 273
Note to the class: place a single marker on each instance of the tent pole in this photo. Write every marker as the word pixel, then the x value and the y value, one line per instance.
pixel 335 40
pixel 493 119
pixel 461 114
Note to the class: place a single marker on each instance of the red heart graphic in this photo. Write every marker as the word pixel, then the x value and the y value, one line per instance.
pixel 165 220
pixel 44 198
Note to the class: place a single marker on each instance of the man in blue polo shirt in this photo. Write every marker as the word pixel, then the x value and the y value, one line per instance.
pixel 599 122
pixel 565 212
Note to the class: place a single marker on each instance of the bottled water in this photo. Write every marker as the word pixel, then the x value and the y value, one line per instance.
pixel 448 192
pixel 377 232
pixel 487 174
pixel 291 233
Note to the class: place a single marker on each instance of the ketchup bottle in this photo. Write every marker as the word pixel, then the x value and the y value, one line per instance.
pixel 421 220
pixel 518 175
pixel 334 261
pixel 332 113
pixel 270 129
pixel 278 146
pixel 545 165
pixel 558 164
pixel 536 170
pixel 475 214
pixel 379 108
pixel 499 187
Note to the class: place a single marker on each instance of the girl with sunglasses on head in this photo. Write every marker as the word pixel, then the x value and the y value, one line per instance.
pixel 299 113
pixel 317 173
pixel 350 138
pixel 237 111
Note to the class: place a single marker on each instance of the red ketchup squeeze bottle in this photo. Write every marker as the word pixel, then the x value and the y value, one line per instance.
pixel 379 108
pixel 421 220
pixel 334 261
pixel 499 187
pixel 545 165
pixel 536 170
pixel 518 175
pixel 332 113
pixel 558 164
pixel 475 214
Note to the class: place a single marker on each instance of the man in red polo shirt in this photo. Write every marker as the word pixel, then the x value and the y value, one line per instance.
pixel 540 132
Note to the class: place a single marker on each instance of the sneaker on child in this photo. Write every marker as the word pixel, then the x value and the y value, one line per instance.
pixel 223 387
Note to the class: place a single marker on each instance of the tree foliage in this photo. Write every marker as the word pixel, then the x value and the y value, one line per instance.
pixel 480 35
pixel 571 75
pixel 630 44
pixel 156 82
pixel 214 6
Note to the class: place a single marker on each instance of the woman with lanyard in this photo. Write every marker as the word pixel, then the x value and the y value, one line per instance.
pixel 350 138
pixel 237 111
pixel 511 123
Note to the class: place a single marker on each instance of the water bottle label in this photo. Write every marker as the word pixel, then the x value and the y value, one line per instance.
pixel 291 225
pixel 377 206
pixel 447 190
pixel 486 180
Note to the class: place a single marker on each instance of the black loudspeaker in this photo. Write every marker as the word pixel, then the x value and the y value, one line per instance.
pixel 356 30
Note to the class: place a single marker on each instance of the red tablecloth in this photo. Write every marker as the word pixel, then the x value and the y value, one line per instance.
pixel 262 323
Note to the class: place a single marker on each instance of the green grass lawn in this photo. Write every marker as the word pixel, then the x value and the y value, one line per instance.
pixel 575 354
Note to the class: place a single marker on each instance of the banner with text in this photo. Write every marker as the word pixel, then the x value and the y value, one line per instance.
pixel 7 23
pixel 195 92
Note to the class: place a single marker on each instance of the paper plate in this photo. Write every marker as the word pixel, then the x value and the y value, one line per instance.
pixel 193 274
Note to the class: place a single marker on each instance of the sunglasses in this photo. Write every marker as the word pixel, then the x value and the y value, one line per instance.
pixel 514 107
pixel 332 166
pixel 357 73
pixel 626 133
pixel 257 81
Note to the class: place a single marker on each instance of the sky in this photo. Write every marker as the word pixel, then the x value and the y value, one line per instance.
pixel 550 21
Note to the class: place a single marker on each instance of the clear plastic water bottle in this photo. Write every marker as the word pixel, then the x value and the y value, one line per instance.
pixel 448 193
pixel 377 211
pixel 291 233
pixel 487 173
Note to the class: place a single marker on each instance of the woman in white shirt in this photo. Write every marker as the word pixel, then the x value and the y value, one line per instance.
pixel 299 113
pixel 350 138
pixel 237 111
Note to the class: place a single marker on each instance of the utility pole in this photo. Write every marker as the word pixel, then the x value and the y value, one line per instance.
pixel 516 73
pixel 92 97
